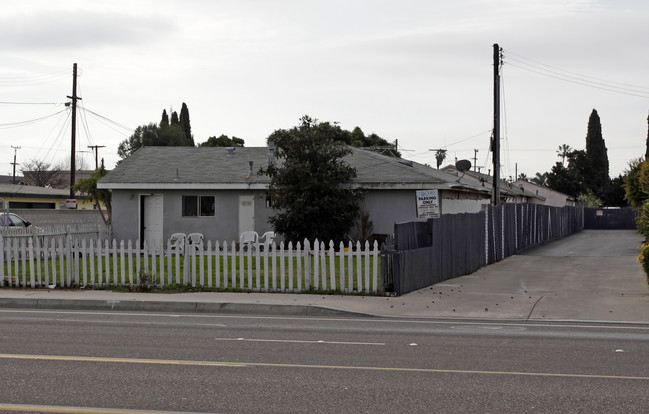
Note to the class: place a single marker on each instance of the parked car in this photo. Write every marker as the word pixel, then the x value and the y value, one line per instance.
pixel 13 220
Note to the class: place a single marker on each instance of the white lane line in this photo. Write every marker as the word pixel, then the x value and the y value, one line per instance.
pixel 296 341
pixel 559 324
pixel 151 323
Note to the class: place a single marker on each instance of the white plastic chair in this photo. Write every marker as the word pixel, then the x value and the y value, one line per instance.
pixel 249 239
pixel 178 242
pixel 266 240
pixel 195 240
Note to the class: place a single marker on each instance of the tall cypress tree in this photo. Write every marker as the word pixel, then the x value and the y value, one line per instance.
pixel 164 122
pixel 184 123
pixel 596 177
pixel 174 118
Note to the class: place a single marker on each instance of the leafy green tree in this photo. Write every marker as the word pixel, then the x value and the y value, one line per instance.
pixel 596 176
pixel 88 186
pixel 589 200
pixel 223 141
pixel 185 125
pixel 310 183
pixel 634 193
pixel 153 135
pixel 614 197
pixel 174 119
pixel 357 138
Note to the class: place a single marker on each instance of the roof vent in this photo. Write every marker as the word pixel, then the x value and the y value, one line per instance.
pixel 229 150
pixel 250 173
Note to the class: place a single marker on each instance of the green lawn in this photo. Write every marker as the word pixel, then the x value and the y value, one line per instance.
pixel 117 270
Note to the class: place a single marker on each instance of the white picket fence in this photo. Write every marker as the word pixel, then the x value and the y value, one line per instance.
pixel 70 262
pixel 45 233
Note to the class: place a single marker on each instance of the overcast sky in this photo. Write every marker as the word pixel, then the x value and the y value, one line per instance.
pixel 416 71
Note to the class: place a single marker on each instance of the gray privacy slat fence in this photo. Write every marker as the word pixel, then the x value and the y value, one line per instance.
pixel 425 253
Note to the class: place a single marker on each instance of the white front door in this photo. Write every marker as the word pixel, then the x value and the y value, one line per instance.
pixel 246 213
pixel 153 221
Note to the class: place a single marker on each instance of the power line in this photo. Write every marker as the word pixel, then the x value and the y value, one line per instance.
pixel 101 117
pixel 577 75
pixel 583 80
pixel 31 103
pixel 28 122
pixel 18 81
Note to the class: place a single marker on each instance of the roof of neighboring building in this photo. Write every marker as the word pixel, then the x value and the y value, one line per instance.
pixel 9 179
pixel 222 168
pixel 17 190
pixel 552 197
pixel 506 188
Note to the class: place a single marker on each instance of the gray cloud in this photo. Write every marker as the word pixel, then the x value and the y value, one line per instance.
pixel 47 30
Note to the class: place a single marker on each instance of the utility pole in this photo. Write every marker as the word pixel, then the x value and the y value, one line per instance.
pixel 14 163
pixel 74 98
pixel 516 172
pixel 495 139
pixel 475 159
pixel 96 148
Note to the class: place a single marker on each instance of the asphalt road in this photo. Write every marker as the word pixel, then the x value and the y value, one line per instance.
pixel 94 362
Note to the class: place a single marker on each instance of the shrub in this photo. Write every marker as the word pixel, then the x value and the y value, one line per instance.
pixel 643 220
pixel 643 258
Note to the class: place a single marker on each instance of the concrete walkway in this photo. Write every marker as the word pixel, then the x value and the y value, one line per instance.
pixel 590 276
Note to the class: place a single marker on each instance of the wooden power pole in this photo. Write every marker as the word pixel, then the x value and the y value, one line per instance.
pixel 495 143
pixel 14 163
pixel 74 98
pixel 96 148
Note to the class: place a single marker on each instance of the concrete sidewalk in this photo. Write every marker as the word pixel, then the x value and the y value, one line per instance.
pixel 590 276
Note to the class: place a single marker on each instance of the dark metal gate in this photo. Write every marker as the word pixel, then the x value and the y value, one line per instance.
pixel 610 219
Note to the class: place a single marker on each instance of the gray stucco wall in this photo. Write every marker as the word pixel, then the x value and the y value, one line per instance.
pixel 388 207
pixel 223 226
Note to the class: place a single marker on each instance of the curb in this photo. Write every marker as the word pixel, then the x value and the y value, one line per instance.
pixel 180 307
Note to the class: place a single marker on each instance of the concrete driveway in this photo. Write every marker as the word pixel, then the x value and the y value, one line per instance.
pixel 592 275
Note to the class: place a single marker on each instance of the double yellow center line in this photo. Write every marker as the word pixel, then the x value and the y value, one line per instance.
pixel 312 366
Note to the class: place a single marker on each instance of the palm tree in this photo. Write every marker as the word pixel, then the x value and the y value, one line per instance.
pixel 563 151
pixel 540 179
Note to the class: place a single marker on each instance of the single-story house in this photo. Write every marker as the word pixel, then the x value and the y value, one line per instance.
pixel 509 193
pixel 217 191
pixel 19 196
pixel 549 197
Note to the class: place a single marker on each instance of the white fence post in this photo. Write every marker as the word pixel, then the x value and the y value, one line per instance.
pixel 2 261
pixel 332 265
pixel 375 267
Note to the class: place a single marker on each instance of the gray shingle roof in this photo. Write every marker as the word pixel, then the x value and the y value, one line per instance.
pixel 217 167
pixel 9 190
